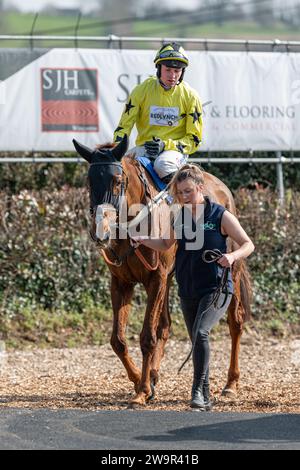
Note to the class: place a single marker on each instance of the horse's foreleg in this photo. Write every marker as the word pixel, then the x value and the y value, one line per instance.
pixel 121 295
pixel 148 337
pixel 163 332
pixel 236 329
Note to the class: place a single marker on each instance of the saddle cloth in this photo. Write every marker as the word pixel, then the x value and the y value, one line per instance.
pixel 147 164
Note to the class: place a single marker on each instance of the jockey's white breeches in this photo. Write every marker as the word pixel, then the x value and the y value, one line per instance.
pixel 169 161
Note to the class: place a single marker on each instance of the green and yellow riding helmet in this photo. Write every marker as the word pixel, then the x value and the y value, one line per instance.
pixel 172 55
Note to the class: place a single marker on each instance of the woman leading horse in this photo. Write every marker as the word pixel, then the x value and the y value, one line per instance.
pixel 114 178
pixel 202 266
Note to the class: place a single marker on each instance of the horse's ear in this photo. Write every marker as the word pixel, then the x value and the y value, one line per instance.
pixel 83 151
pixel 121 148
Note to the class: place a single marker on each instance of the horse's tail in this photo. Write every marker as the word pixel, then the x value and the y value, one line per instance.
pixel 246 292
pixel 243 290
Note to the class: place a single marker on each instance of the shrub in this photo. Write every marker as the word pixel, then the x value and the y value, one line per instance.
pixel 49 264
pixel 47 259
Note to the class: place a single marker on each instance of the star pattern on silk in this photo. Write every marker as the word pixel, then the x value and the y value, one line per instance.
pixel 195 115
pixel 196 139
pixel 128 107
pixel 180 147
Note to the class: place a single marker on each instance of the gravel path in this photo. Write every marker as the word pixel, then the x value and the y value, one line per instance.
pixel 93 378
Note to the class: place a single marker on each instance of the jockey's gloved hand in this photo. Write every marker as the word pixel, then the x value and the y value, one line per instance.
pixel 154 147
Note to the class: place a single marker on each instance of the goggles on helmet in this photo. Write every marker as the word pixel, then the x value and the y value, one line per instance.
pixel 172 55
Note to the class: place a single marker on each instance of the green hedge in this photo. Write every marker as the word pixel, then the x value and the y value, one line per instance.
pixel 15 177
pixel 275 264
pixel 51 276
pixel 47 257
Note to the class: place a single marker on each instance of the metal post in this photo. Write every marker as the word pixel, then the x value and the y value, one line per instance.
pixel 280 183
pixel 32 30
pixel 76 30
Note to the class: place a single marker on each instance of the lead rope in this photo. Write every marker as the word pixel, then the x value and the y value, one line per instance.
pixel 209 256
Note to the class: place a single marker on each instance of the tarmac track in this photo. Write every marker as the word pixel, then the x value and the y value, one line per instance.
pixel 146 430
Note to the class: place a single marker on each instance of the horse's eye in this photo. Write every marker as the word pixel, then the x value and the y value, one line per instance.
pixel 117 184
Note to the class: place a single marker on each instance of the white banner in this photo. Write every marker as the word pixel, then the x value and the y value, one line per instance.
pixel 254 98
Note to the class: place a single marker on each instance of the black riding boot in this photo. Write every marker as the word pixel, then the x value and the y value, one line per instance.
pixel 197 397
pixel 207 401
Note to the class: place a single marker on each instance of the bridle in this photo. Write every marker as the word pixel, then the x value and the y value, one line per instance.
pixel 118 260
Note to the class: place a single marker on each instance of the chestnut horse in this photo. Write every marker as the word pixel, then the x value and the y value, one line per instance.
pixel 112 177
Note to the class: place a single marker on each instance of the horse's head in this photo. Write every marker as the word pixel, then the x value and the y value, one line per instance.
pixel 107 186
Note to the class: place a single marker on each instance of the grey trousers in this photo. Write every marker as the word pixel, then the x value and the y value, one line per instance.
pixel 207 316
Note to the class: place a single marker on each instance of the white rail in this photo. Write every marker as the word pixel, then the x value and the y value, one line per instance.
pixel 273 43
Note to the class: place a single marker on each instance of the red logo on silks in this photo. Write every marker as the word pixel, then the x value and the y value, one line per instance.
pixel 69 100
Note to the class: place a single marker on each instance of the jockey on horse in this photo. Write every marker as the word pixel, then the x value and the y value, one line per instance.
pixel 167 113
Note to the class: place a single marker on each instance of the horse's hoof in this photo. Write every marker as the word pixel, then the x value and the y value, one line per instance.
pixel 138 400
pixel 229 393
pixel 134 406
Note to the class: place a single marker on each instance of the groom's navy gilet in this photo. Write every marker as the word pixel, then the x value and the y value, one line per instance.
pixel 195 277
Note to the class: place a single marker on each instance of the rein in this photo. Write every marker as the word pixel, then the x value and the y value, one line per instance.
pixel 120 259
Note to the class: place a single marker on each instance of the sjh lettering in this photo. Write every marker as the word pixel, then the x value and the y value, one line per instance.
pixel 64 79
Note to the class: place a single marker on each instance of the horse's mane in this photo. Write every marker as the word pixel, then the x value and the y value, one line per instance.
pixel 128 159
pixel 131 159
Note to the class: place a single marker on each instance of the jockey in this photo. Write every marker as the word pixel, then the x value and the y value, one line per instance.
pixel 167 113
